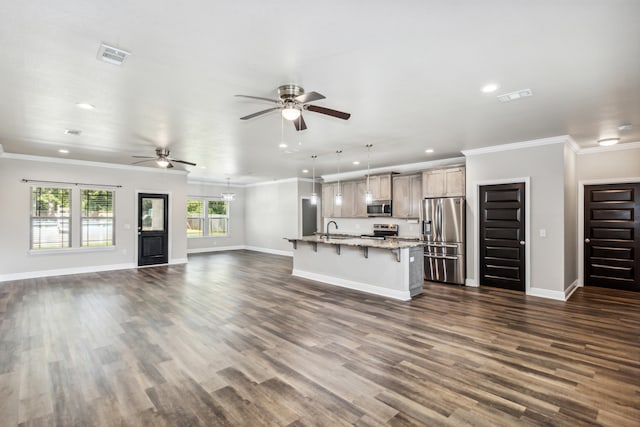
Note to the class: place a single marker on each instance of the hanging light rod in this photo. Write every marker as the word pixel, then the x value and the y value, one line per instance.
pixel 84 184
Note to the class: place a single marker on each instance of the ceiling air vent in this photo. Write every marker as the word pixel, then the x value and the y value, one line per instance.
pixel 512 96
pixel 112 55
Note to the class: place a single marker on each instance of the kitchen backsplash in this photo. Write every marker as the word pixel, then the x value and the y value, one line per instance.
pixel 365 225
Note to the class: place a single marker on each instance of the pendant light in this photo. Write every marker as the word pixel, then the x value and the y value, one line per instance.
pixel 368 196
pixel 228 195
pixel 338 200
pixel 314 195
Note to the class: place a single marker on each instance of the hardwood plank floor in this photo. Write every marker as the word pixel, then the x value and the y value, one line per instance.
pixel 233 339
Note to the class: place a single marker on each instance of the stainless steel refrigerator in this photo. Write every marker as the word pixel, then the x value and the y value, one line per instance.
pixel 443 231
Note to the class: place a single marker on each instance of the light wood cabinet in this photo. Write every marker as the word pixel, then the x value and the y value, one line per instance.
pixel 380 186
pixel 353 200
pixel 407 195
pixel 443 182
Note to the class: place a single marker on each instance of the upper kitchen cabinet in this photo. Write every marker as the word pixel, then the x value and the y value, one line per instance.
pixel 329 208
pixel 407 195
pixel 447 182
pixel 360 202
pixel 380 186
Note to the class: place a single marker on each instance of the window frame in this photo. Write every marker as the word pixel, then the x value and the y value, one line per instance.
pixel 113 217
pixel 206 217
pixel 69 218
pixel 201 216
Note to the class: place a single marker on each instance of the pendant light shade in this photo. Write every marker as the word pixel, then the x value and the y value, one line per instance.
pixel 338 199
pixel 228 195
pixel 368 196
pixel 314 195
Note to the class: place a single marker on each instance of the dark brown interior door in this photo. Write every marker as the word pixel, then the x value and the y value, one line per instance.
pixel 153 229
pixel 612 236
pixel 502 228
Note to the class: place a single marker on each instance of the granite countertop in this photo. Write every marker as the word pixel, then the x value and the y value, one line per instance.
pixel 358 241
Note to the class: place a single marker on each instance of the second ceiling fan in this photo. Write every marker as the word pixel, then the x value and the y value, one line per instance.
pixel 293 100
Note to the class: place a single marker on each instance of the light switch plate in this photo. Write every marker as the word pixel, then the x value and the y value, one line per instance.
pixel 543 232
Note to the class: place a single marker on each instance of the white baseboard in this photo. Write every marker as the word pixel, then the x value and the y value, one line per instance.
pixel 570 290
pixel 64 271
pixel 269 251
pixel 547 293
pixel 178 261
pixel 471 282
pixel 215 249
pixel 358 286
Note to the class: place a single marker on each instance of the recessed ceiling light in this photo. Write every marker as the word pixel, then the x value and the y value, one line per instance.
pixel 305 170
pixel 63 151
pixel 490 87
pixel 282 145
pixel 85 106
pixel 203 167
pixel 72 132
pixel 605 142
pixel 625 127
pixel 429 150
pixel 355 162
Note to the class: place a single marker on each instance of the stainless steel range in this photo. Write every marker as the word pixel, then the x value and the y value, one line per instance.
pixel 380 231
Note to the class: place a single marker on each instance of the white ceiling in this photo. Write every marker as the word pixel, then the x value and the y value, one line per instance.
pixel 409 72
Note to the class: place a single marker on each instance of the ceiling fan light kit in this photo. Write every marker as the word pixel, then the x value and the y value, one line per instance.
pixel 292 101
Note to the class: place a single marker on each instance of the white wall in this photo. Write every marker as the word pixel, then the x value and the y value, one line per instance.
pixel 16 261
pixel 271 215
pixel 235 237
pixel 603 165
pixel 544 166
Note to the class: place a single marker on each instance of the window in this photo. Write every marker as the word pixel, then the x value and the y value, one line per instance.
pixel 50 218
pixel 218 217
pixel 207 218
pixel 97 218
pixel 195 218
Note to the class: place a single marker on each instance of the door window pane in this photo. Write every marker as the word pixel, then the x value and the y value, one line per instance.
pixel 152 214
pixel 97 218
pixel 195 218
pixel 50 218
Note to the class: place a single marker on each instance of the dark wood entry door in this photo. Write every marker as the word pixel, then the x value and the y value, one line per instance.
pixel 612 236
pixel 153 229
pixel 502 234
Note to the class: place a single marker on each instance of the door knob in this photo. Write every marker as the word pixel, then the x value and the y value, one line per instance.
pixel 587 240
pixel 522 242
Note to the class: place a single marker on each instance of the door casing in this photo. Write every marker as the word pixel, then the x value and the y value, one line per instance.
pixel 579 243
pixel 134 227
pixel 527 228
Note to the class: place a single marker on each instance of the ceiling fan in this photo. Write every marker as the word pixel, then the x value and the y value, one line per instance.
pixel 162 159
pixel 293 100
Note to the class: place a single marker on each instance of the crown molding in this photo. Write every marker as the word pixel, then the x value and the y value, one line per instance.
pixel 274 182
pixel 75 162
pixel 519 145
pixel 410 167
pixel 216 183
pixel 618 147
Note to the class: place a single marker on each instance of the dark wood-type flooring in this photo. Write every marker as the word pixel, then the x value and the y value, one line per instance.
pixel 232 339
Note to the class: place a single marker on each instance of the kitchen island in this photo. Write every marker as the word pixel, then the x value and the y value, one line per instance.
pixel 391 268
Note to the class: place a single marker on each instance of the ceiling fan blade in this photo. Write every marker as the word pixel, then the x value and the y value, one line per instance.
pixel 259 97
pixel 328 112
pixel 142 157
pixel 309 97
pixel 299 123
pixel 259 113
pixel 142 161
pixel 183 161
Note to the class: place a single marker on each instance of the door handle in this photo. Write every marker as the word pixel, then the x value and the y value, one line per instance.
pixel 522 242
pixel 587 240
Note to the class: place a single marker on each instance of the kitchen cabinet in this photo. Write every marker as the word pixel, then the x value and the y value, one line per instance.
pixel 380 186
pixel 447 182
pixel 329 208
pixel 353 200
pixel 407 195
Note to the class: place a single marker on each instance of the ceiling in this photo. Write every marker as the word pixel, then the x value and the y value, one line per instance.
pixel 409 72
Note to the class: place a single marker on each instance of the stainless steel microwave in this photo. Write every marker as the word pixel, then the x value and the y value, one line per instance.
pixel 379 208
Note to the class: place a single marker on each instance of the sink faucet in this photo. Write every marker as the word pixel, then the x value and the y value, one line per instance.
pixel 328 224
